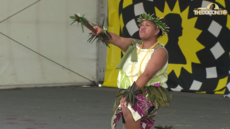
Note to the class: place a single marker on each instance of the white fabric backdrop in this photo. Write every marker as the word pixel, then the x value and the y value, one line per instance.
pixel 45 27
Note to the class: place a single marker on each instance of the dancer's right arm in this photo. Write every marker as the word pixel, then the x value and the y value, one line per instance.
pixel 122 43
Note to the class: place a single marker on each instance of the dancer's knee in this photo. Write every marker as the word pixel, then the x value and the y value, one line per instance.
pixel 125 111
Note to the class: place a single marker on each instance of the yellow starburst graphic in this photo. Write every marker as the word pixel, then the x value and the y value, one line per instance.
pixel 187 42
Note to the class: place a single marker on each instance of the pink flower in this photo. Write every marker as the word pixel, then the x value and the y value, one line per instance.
pixel 115 121
pixel 157 84
pixel 147 122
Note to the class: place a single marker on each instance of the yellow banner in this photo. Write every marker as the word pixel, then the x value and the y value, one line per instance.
pixel 113 52
pixel 196 53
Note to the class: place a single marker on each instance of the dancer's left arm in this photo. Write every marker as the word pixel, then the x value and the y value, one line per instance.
pixel 157 61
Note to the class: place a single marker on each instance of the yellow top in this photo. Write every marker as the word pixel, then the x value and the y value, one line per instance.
pixel 132 70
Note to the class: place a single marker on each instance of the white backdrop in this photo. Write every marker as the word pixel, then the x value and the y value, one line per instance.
pixel 45 27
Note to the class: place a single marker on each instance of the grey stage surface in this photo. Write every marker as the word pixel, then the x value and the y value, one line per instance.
pixel 91 108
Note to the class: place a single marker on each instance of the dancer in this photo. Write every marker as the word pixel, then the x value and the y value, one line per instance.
pixel 142 72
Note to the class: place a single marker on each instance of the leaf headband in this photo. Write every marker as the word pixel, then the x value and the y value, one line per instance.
pixel 156 20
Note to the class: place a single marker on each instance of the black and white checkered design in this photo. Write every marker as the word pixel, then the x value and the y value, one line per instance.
pixel 215 37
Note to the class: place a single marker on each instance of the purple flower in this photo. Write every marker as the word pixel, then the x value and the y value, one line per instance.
pixel 141 107
pixel 157 84
pixel 115 121
pixel 147 122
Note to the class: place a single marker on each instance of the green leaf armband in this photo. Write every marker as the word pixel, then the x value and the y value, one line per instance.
pixel 130 94
pixel 105 30
pixel 103 37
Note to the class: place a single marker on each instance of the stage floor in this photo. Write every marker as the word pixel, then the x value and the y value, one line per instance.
pixel 91 108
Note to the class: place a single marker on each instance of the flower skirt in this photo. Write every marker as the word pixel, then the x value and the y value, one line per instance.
pixel 153 96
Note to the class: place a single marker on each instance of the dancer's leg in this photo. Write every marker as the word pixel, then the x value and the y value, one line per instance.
pixel 129 120
pixel 125 126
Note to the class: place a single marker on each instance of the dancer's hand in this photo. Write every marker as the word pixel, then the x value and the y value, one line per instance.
pixel 98 30
pixel 122 102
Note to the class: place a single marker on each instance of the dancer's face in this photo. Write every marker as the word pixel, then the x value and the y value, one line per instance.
pixel 148 30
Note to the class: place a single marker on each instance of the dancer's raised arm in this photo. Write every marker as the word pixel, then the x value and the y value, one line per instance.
pixel 116 40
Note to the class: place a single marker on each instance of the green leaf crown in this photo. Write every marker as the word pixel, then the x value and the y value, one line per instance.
pixel 156 20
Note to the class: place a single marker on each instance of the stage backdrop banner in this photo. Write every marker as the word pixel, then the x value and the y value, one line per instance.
pixel 113 52
pixel 44 26
pixel 198 42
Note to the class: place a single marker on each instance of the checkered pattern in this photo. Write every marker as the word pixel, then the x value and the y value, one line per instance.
pixel 214 58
